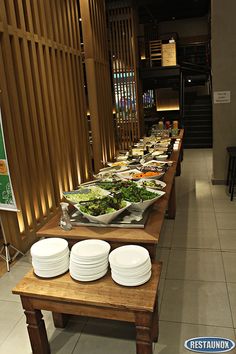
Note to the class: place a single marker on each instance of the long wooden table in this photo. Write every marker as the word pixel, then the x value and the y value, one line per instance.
pixel 147 237
pixel 101 298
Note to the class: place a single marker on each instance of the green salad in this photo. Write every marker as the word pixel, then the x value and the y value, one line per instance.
pixel 102 206
pixel 129 191
pixel 85 193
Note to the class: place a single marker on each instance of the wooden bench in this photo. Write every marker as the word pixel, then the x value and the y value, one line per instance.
pixel 101 299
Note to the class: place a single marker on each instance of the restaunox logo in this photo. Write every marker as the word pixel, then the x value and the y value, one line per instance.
pixel 209 344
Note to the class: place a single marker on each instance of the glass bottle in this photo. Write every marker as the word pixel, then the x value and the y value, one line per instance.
pixel 65 222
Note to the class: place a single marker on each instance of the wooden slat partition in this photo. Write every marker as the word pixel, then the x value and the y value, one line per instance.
pixel 43 109
pixel 123 46
pixel 93 15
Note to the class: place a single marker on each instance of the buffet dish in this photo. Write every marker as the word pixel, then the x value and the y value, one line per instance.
pixel 127 186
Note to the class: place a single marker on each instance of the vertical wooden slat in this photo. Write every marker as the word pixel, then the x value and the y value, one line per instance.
pixel 99 94
pixel 123 32
pixel 43 109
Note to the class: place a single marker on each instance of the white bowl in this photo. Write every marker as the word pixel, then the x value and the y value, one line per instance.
pixel 143 205
pixel 155 182
pixel 104 218
pixel 129 175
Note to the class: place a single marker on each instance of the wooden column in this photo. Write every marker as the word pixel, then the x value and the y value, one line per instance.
pixel 94 28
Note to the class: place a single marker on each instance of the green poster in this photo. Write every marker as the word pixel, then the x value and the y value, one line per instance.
pixel 7 199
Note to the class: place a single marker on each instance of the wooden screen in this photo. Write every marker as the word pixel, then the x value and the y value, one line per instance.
pixel 93 15
pixel 43 109
pixel 123 46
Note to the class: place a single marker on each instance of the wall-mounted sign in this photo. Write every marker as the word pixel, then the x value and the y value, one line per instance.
pixel 168 54
pixel 222 96
pixel 7 199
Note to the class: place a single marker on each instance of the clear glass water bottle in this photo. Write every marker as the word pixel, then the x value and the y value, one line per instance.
pixel 65 222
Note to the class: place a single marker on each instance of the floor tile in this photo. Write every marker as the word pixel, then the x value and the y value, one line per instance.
pixel 166 234
pixel 220 192
pixel 232 298
pixel 61 340
pixel 192 302
pixel 173 335
pixel 226 221
pixel 188 220
pixel 10 315
pixel 195 265
pixel 107 338
pixel 227 239
pixel 229 259
pixel 224 205
pixel 195 238
pixel 9 280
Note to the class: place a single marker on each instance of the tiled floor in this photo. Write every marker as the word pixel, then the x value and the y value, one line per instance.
pixel 198 285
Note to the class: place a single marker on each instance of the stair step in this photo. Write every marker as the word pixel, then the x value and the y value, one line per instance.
pixel 199 130
pixel 198 134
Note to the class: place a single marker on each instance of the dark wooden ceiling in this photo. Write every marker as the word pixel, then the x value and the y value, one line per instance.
pixel 165 10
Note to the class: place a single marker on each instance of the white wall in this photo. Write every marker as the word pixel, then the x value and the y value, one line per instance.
pixel 224 79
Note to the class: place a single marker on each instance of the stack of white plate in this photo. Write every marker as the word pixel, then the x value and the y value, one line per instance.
pixel 89 260
pixel 50 257
pixel 130 265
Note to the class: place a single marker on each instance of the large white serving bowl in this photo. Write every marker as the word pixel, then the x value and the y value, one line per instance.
pixel 129 256
pixel 143 205
pixel 104 218
pixel 49 248
pixel 92 249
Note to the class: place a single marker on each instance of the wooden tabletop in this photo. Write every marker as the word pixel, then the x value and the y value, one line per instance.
pixel 148 235
pixel 103 292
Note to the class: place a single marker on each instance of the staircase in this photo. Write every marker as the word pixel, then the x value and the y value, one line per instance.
pixel 197 122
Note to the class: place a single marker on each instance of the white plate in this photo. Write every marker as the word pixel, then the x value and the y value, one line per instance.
pixel 130 256
pixel 155 182
pixel 104 218
pixel 49 247
pixel 88 271
pixel 88 277
pixel 91 248
pixel 132 274
pixel 50 274
pixel 54 265
pixel 129 283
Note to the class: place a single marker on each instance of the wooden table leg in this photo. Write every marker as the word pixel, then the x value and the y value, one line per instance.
pixel 155 323
pixel 60 320
pixel 143 324
pixel 172 203
pixel 36 328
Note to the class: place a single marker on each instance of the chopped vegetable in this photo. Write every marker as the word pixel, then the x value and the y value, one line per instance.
pixel 103 206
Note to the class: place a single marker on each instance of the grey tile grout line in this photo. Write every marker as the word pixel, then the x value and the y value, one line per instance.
pixel 226 283
pixel 198 324
pixel 81 332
